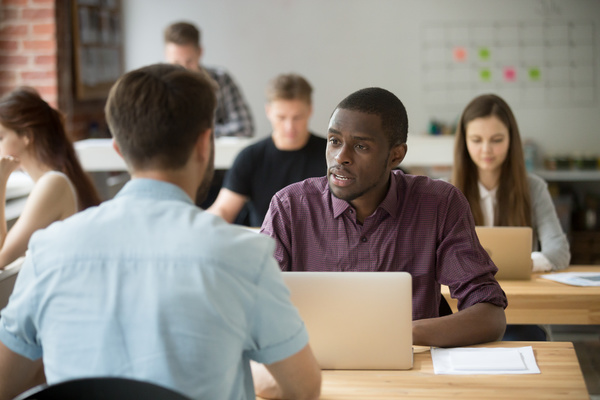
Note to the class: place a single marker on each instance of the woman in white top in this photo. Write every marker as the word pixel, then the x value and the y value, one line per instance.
pixel 32 137
pixel 489 168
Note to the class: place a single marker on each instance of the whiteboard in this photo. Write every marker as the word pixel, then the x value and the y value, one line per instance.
pixel 344 45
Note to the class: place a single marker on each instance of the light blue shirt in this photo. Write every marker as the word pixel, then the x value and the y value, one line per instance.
pixel 149 286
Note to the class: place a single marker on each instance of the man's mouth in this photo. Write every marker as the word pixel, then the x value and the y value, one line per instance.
pixel 341 177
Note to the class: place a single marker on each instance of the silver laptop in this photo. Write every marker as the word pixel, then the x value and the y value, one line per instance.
pixel 509 248
pixel 356 320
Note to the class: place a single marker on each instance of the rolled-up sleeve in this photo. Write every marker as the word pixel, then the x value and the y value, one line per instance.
pixel 18 321
pixel 462 263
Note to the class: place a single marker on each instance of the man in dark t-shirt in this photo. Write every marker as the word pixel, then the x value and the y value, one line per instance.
pixel 291 154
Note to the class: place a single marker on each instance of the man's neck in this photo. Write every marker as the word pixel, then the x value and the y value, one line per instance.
pixel 175 177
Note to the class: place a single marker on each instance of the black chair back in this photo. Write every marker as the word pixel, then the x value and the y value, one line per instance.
pixel 101 389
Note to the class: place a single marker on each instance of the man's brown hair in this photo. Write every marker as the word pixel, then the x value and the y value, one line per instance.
pixel 289 87
pixel 183 34
pixel 157 113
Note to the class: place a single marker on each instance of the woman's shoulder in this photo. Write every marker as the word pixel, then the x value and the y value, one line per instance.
pixel 55 179
pixel 55 187
pixel 536 182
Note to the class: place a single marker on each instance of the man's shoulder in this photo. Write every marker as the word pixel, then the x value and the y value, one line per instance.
pixel 308 187
pixel 255 150
pixel 177 230
pixel 420 184
pixel 218 73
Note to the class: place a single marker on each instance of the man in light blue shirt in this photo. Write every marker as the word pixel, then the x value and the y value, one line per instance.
pixel 147 285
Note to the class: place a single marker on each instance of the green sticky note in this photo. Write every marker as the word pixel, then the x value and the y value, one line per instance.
pixel 485 74
pixel 535 74
pixel 484 53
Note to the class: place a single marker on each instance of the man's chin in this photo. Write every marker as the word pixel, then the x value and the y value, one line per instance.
pixel 340 194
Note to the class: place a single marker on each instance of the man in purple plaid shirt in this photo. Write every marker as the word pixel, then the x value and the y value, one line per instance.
pixel 366 216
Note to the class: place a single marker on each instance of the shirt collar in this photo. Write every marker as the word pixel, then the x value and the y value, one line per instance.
pixel 160 190
pixel 484 193
pixel 389 203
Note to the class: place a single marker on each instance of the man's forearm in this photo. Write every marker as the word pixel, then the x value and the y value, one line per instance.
pixel 481 323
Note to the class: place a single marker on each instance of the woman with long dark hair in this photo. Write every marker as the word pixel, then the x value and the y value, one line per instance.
pixel 489 168
pixel 32 137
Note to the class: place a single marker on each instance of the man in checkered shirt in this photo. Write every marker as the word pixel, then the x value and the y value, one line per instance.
pixel 232 117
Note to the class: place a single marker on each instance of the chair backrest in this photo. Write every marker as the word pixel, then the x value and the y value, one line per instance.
pixel 102 388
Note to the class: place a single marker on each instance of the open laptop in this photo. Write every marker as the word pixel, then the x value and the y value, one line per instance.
pixel 356 320
pixel 509 248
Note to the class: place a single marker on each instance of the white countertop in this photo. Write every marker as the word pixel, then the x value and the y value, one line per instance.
pixel 98 154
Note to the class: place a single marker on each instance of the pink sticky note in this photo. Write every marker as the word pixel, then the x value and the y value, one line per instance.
pixel 510 74
pixel 460 54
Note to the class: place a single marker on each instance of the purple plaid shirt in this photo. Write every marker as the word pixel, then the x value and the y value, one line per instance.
pixel 422 226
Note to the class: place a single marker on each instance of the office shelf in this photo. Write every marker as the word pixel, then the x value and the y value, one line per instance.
pixel 569 175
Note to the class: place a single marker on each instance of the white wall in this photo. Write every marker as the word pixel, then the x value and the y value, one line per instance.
pixel 343 45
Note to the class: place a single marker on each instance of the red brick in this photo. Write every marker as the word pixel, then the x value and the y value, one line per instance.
pixel 30 75
pixel 14 2
pixel 12 31
pixel 44 29
pixel 7 76
pixel 6 89
pixel 45 60
pixel 9 14
pixel 37 14
pixel 43 1
pixel 39 44
pixel 13 60
pixel 47 91
pixel 9 45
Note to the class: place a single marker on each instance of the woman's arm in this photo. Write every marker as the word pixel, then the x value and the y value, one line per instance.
pixel 553 241
pixel 51 199
pixel 7 165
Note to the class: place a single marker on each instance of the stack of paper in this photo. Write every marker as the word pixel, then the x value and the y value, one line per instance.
pixel 471 361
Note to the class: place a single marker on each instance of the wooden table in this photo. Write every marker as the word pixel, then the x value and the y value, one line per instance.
pixel 541 301
pixel 560 378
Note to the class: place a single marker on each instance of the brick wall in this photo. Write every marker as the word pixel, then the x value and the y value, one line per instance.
pixel 28 47
pixel 36 50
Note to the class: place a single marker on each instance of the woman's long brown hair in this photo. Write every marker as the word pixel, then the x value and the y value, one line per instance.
pixel 513 198
pixel 26 113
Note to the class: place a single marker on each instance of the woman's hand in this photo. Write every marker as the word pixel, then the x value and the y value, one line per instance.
pixel 7 165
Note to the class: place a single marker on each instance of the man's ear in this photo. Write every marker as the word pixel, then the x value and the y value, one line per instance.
pixel 397 154
pixel 115 146
pixel 203 145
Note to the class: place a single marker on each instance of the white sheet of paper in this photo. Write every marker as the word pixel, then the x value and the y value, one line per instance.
pixel 474 361
pixel 575 278
pixel 504 360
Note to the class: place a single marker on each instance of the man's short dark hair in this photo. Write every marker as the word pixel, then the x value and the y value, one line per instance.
pixel 157 113
pixel 183 34
pixel 384 103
